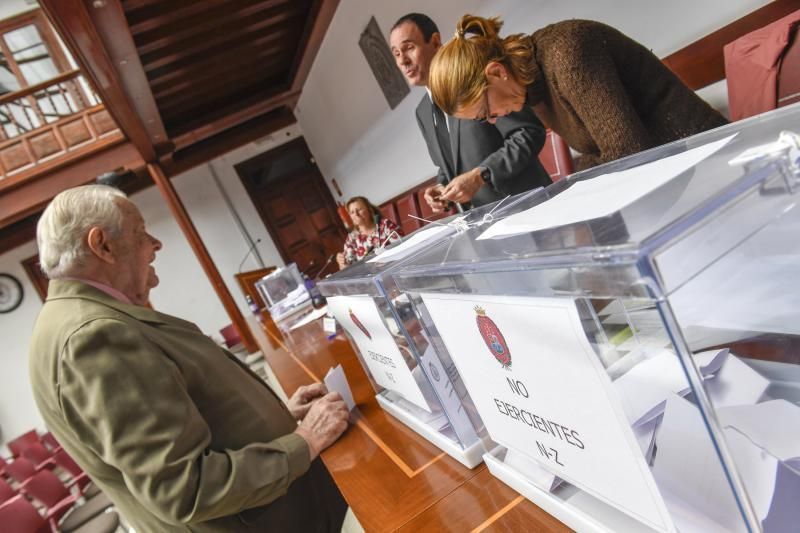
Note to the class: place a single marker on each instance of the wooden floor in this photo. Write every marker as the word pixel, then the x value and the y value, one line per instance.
pixel 393 479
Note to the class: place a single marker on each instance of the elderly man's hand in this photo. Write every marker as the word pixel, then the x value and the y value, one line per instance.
pixel 301 400
pixel 325 422
pixel 462 188
pixel 433 197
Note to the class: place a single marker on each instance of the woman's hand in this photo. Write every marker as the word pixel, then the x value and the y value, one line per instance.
pixel 341 260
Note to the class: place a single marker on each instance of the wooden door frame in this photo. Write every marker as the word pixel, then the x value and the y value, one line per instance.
pixel 258 161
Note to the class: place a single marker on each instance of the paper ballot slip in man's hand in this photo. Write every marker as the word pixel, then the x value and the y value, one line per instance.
pixel 335 380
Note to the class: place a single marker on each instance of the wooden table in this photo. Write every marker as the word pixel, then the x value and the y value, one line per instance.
pixel 393 479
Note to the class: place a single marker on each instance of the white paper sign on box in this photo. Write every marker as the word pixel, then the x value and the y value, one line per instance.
pixel 359 316
pixel 541 390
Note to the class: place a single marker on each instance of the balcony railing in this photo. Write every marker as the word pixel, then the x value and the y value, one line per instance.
pixel 46 121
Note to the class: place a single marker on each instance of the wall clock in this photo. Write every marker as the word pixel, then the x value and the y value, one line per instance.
pixel 10 293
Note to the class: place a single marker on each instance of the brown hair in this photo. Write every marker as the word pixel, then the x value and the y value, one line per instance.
pixel 457 77
pixel 374 211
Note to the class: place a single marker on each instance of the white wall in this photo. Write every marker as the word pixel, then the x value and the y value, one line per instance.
pixel 18 411
pixel 372 150
pixel 368 148
pixel 184 289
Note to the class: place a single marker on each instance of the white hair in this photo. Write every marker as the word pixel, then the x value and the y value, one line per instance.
pixel 62 229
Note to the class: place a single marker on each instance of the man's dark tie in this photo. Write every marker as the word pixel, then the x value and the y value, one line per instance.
pixel 443 135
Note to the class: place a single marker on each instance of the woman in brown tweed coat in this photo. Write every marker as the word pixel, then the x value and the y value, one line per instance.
pixel 604 93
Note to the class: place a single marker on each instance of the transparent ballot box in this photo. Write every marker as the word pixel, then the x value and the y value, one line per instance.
pixel 631 337
pixel 284 292
pixel 415 385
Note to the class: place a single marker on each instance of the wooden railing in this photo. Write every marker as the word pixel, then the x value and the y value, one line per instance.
pixel 48 120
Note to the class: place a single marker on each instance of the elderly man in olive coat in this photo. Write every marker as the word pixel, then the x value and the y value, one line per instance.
pixel 177 432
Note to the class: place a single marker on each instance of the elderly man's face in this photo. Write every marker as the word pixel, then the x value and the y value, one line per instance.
pixel 135 250
pixel 412 54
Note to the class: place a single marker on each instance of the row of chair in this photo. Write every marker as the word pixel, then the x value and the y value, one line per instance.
pixel 29 479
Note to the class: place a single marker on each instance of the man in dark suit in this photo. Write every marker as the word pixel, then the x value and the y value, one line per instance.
pixel 478 162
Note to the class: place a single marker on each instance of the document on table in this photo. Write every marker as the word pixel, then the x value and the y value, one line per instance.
pixel 410 245
pixel 603 195
pixel 310 317
pixel 336 381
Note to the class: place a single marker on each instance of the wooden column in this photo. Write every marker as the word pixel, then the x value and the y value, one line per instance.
pixel 187 226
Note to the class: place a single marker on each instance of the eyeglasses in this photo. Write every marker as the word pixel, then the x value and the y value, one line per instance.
pixel 485 116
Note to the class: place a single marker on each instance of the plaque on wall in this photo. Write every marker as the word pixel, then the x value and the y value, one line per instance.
pixel 379 57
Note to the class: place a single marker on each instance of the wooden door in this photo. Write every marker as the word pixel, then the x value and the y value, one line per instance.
pixel 296 206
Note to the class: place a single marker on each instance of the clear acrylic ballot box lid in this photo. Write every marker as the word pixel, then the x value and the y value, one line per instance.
pixel 414 385
pixel 631 336
pixel 284 292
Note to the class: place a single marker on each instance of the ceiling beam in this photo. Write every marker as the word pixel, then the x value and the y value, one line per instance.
pixel 230 139
pixel 99 40
pixel 228 120
pixel 321 15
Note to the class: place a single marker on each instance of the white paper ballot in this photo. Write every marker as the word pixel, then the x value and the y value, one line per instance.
pixel 541 390
pixel 736 384
pixel 772 425
pixel 645 387
pixel 603 195
pixel 689 472
pixel 309 318
pixel 336 381
pixel 360 317
pixel 411 244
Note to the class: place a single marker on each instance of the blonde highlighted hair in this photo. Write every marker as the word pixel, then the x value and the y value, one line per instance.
pixel 456 77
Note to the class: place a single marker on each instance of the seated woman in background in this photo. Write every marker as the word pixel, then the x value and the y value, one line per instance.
pixel 605 94
pixel 370 231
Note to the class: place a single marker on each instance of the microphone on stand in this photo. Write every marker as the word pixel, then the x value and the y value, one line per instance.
pixel 328 262
pixel 249 251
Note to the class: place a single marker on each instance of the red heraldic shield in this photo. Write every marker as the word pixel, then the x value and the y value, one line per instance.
pixel 358 324
pixel 493 338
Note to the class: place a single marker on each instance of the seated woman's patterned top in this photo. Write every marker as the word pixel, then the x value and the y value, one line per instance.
pixel 357 246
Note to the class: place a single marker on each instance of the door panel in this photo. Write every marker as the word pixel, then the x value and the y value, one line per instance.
pixel 295 205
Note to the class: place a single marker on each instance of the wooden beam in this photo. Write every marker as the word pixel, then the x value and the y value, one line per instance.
pixel 18 233
pixel 90 49
pixel 702 63
pixel 321 15
pixel 32 195
pixel 190 232
pixel 113 28
pixel 204 128
pixel 224 142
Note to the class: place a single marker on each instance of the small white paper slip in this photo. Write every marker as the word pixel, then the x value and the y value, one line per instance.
pixel 603 195
pixel 329 324
pixel 309 318
pixel 735 384
pixel 336 381
pixel 689 472
pixel 772 425
pixel 362 320
pixel 409 245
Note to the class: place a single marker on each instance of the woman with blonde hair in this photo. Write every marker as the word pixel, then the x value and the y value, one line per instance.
pixel 604 93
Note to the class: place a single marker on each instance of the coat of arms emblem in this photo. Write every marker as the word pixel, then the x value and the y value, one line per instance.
pixel 358 323
pixel 493 338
